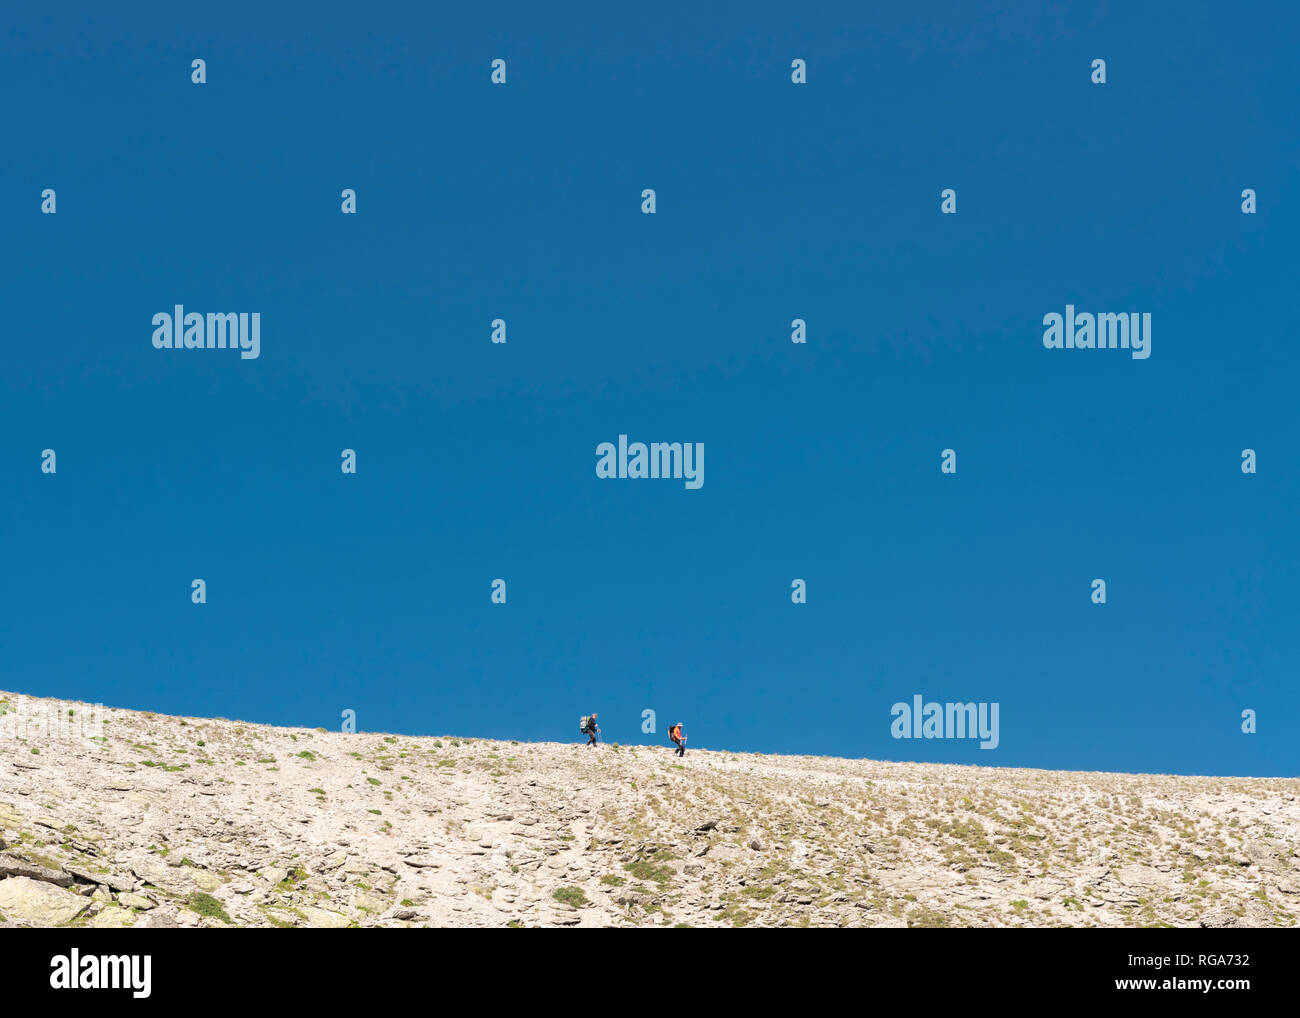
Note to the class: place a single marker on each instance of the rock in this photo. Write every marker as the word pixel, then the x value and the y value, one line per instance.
pixel 132 900
pixel 113 918
pixel 38 902
pixel 1139 877
pixel 369 902
pixel 11 866
pixel 1266 858
pixel 206 881
pixel 324 919
pixel 116 881
pixel 1255 914
pixel 153 871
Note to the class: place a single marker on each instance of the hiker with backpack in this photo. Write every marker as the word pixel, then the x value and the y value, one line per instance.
pixel 679 737
pixel 587 726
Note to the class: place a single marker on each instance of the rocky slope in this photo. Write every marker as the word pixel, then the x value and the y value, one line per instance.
pixel 166 821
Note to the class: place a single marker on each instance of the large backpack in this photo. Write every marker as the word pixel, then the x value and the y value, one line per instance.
pixel 584 724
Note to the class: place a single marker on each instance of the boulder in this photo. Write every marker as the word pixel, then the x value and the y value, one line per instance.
pixel 12 866
pixel 38 902
pixel 113 918
pixel 325 919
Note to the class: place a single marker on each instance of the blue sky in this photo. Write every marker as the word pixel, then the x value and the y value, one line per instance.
pixel 477 461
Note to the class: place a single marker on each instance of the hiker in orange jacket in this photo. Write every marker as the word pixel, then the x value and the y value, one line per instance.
pixel 675 733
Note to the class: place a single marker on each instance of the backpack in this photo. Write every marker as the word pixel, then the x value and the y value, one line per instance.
pixel 584 724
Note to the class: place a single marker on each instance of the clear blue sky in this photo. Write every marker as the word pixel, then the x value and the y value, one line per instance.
pixel 477 461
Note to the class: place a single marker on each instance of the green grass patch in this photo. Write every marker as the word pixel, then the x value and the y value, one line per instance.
pixel 206 905
pixel 570 896
pixel 643 870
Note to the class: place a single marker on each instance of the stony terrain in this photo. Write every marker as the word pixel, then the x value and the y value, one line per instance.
pixel 167 821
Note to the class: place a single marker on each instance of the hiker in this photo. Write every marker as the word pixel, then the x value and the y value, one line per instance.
pixel 587 725
pixel 675 733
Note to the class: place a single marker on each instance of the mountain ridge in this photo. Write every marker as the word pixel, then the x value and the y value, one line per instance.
pixel 159 820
